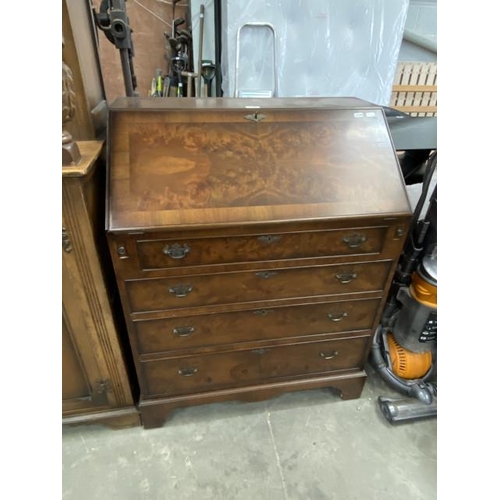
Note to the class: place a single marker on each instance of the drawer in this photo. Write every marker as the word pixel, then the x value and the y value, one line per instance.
pixel 249 286
pixel 206 330
pixel 166 253
pixel 230 369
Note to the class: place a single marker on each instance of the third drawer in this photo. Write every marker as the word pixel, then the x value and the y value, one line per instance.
pixel 251 286
pixel 207 330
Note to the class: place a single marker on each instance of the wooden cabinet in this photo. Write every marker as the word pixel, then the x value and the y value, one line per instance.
pixel 95 383
pixel 254 242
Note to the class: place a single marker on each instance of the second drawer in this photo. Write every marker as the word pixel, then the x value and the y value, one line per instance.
pixel 206 330
pixel 251 286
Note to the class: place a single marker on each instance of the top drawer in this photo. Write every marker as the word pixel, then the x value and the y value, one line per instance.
pixel 187 252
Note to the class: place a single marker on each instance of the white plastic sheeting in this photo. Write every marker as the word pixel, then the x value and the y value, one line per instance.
pixel 322 47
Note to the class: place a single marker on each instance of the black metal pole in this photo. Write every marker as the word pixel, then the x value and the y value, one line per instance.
pixel 218 36
pixel 127 73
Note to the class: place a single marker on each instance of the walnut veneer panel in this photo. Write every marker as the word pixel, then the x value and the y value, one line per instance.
pixel 204 331
pixel 216 370
pixel 249 286
pixel 181 252
pixel 175 168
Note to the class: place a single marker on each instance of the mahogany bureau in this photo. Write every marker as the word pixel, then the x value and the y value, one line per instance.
pixel 253 241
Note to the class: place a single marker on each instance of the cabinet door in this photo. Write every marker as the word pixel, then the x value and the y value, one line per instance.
pixel 95 376
pixel 74 381
pixel 84 386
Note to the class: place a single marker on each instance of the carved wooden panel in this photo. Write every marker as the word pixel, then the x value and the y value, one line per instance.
pixel 81 127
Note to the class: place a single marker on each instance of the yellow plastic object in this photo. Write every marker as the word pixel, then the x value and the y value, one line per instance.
pixel 423 291
pixel 406 364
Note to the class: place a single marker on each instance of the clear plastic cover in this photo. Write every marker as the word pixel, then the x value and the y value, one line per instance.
pixel 304 48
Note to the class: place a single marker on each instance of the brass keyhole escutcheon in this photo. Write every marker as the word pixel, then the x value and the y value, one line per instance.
pixel 263 312
pixel 255 117
pixel 267 239
pixel 266 274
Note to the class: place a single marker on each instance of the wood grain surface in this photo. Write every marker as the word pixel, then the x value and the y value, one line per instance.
pixel 201 373
pixel 192 167
pixel 206 331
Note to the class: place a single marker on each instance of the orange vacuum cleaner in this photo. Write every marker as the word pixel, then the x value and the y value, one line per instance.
pixel 404 347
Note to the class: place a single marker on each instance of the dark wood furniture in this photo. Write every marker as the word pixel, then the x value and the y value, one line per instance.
pixel 253 243
pixel 96 386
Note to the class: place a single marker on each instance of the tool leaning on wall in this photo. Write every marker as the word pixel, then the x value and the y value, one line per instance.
pixel 112 20
pixel 179 49
pixel 182 80
pixel 179 79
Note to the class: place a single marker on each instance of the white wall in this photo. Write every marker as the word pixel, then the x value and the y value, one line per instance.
pixel 420 27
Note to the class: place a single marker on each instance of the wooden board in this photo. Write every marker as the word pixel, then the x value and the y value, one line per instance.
pixel 415 89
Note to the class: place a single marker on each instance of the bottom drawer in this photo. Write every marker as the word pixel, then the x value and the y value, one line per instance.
pixel 191 374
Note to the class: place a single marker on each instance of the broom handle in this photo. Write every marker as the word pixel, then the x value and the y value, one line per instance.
pixel 200 50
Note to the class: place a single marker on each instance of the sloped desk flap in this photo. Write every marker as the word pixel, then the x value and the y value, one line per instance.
pixel 177 163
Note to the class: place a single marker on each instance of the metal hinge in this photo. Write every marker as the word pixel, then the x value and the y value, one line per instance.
pixel 66 242
pixel 102 386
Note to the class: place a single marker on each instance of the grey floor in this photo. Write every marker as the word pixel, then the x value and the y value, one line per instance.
pixel 308 445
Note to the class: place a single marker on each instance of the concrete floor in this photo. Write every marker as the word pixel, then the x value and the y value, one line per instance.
pixel 307 445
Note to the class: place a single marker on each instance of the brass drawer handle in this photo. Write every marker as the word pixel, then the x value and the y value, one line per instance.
pixel 269 238
pixel 176 251
pixel 187 372
pixel 328 355
pixel 263 312
pixel 346 277
pixel 266 274
pixel 337 317
pixel 180 290
pixel 355 240
pixel 183 331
